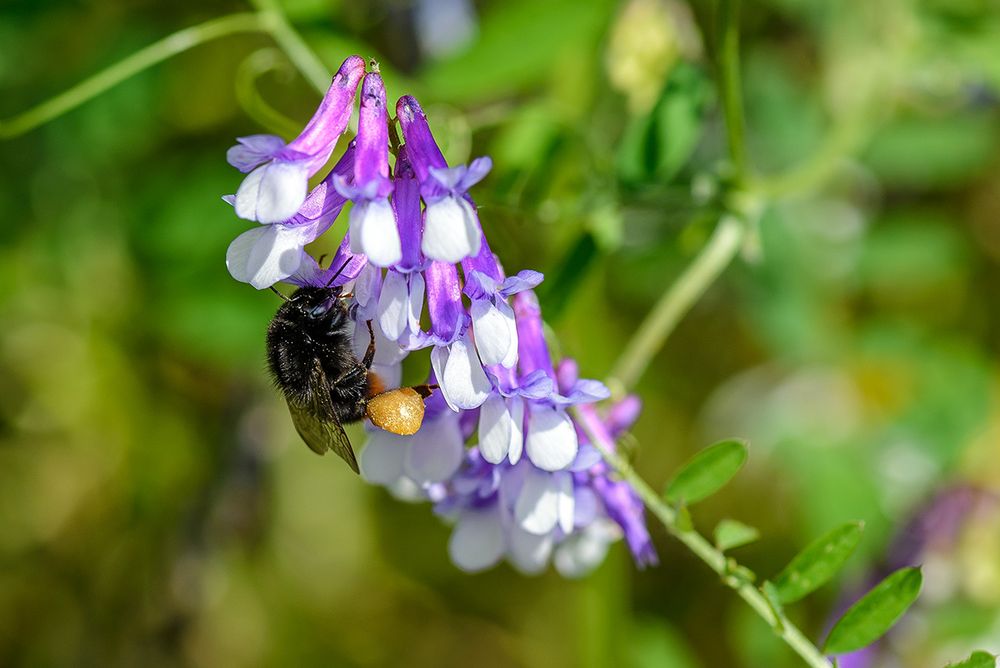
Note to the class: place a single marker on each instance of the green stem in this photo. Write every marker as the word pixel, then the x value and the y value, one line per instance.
pixel 260 62
pixel 675 302
pixel 303 57
pixel 729 83
pixel 588 419
pixel 153 54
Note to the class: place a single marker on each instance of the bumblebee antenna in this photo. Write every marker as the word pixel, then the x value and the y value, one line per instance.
pixel 339 271
pixel 283 297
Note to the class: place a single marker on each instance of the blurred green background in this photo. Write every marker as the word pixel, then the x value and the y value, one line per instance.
pixel 156 507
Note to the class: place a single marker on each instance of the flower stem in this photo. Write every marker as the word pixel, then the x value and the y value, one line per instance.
pixel 291 42
pixel 155 53
pixel 587 417
pixel 674 303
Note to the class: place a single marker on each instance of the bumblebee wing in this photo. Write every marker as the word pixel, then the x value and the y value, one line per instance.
pixel 317 423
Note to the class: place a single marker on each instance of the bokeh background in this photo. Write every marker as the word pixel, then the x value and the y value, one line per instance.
pixel 156 507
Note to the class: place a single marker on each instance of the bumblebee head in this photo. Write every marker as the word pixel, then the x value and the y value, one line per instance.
pixel 316 306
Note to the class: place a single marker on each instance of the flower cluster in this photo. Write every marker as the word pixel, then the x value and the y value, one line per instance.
pixel 532 486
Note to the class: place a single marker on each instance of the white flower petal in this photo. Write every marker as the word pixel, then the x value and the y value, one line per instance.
pixel 551 442
pixel 510 359
pixel 272 193
pixel 451 232
pixel 267 254
pixel 537 507
pixel 478 540
pixel 416 301
pixel 567 501
pixel 367 284
pixel 495 426
pixel 460 374
pixel 583 551
pixel 493 333
pixel 435 452
pixel 374 232
pixel 527 552
pixel 517 433
pixel 382 458
pixel 393 305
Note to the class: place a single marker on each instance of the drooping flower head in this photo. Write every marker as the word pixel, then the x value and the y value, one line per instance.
pixel 498 453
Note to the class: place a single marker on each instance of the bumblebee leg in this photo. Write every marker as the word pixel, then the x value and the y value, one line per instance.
pixel 370 353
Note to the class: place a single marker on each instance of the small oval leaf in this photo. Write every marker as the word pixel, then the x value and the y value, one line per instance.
pixel 730 534
pixel 707 472
pixel 978 659
pixel 818 562
pixel 868 619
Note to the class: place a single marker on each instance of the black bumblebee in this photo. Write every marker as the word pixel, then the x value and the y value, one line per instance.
pixel 313 363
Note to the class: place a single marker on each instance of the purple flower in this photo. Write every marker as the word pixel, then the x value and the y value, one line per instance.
pixel 451 228
pixel 373 229
pixel 276 187
pixel 532 490
pixel 269 253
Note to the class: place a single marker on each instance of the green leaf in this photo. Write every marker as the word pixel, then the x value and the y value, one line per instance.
pixel 707 472
pixel 683 521
pixel 730 534
pixel 868 619
pixel 771 594
pixel 657 145
pixel 976 660
pixel 818 562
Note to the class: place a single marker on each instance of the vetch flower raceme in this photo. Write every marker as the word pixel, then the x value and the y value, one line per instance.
pixel 530 489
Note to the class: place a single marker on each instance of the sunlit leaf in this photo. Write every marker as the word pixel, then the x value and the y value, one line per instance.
pixel 658 144
pixel 976 660
pixel 818 562
pixel 868 619
pixel 707 472
pixel 730 534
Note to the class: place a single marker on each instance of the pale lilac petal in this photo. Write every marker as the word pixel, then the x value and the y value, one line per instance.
pixel 510 359
pixel 264 255
pixel 393 305
pixel 585 506
pixel 551 441
pixel 536 385
pixel 387 352
pixel 586 457
pixel 476 172
pixel 523 280
pixel 273 192
pixel 381 460
pixel 537 507
pixel 416 304
pixel 367 285
pixel 448 177
pixel 477 541
pixel 229 199
pixel 435 452
pixel 253 150
pixel 495 427
pixel 583 551
pixel 496 333
pixel 564 486
pixel 529 553
pixel 451 231
pixel 517 433
pixel 460 374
